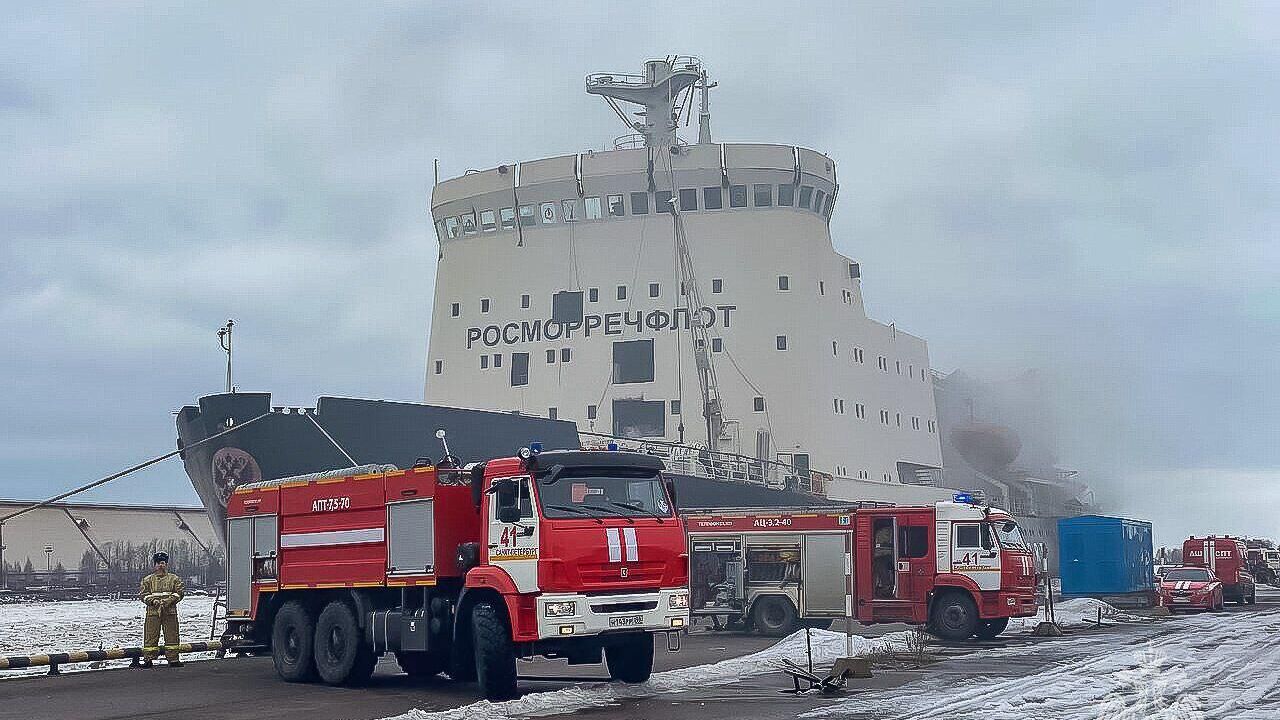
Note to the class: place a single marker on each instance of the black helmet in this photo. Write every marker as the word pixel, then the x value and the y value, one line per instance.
pixel 160 557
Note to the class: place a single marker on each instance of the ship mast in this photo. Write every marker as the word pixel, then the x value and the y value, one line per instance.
pixel 658 91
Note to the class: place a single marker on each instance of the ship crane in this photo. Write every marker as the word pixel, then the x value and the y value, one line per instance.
pixel 658 91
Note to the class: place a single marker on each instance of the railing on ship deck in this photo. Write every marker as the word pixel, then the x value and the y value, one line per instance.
pixel 716 465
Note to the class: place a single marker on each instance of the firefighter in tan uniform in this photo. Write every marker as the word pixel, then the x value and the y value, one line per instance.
pixel 161 591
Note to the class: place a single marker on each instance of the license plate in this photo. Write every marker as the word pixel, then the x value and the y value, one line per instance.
pixel 626 621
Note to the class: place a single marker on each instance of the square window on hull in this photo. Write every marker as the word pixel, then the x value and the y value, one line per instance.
pixel 633 361
pixel 639 418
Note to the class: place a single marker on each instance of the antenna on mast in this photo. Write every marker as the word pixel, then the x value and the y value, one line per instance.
pixel 224 339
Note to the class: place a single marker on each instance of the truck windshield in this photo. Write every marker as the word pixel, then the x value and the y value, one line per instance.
pixel 1010 534
pixel 595 492
pixel 1188 574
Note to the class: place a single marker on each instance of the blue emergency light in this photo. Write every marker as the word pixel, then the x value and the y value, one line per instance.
pixel 613 446
pixel 535 447
pixel 964 498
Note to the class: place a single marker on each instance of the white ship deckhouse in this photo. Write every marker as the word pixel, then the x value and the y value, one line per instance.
pixel 682 292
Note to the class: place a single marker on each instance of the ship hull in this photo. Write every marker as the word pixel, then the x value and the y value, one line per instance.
pixel 269 442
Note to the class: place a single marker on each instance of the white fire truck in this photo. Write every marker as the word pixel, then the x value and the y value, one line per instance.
pixel 960 568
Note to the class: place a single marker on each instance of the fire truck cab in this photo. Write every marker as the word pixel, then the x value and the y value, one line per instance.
pixel 1227 558
pixel 958 568
pixel 460 570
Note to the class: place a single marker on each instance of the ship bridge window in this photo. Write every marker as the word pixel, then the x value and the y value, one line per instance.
pixel 717 286
pixel 593 294
pixel 689 199
pixel 639 203
pixel 675 407
pixel 551 356
pixel 817 201
pixel 616 208
pixel 548 212
pixel 711 198
pixel 484 305
pixel 762 195
pixel 782 342
pixel 488 220
pixel 806 195
pixel 591 412
pixel 717 344
pixel 484 362
pixel 639 418
pixel 786 195
pixel 784 282
pixel 662 201
pixel 737 196
pixel 572 210
pixel 566 354
pixel 451 227
pixel 593 208
pixel 497 360
pixel 527 216
pixel 439 366
pixel 622 292
pixel 633 361
pixel 655 290
pixel 524 302
pixel 553 414
pixel 519 369
pixel 507 216
pixel 469 223
pixel 757 404
pixel 455 309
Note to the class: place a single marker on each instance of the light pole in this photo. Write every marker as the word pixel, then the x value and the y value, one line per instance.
pixel 4 577
pixel 224 339
pixel 48 565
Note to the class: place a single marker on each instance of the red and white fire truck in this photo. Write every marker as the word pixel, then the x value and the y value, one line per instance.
pixel 959 568
pixel 1227 558
pixel 462 570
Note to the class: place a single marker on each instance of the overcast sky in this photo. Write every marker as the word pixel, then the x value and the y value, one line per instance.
pixel 1087 188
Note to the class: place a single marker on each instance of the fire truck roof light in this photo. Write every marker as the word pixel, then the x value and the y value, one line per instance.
pixel 535 447
pixel 964 498
pixel 613 446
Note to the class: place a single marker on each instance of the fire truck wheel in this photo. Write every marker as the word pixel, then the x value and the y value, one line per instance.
pixel 631 660
pixel 774 616
pixel 954 617
pixel 292 642
pixel 342 656
pixel 988 629
pixel 419 666
pixel 495 654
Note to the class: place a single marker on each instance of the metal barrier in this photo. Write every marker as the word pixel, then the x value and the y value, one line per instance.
pixel 53 660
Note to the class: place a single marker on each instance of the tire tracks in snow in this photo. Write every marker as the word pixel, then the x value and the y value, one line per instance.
pixel 1198 668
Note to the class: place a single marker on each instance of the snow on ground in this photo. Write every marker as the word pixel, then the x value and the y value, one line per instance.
pixel 60 626
pixel 827 646
pixel 1204 667
pixel 1076 612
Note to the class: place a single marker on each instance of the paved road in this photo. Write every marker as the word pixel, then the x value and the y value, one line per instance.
pixel 1112 667
pixel 247 688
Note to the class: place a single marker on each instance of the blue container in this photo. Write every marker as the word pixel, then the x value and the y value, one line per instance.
pixel 1099 555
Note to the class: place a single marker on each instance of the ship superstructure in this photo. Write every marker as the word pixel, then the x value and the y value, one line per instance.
pixel 686 293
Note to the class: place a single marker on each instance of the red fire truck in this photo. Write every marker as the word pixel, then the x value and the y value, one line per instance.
pixel 957 567
pixel 1227 558
pixel 462 570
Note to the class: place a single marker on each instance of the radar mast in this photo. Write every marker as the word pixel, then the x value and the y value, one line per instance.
pixel 664 93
